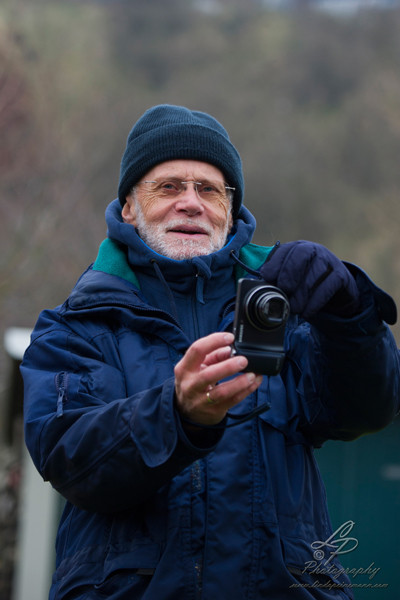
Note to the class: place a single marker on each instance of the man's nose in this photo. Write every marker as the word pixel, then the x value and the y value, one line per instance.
pixel 188 200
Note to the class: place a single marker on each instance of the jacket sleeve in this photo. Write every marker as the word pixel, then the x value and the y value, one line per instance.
pixel 350 369
pixel 101 450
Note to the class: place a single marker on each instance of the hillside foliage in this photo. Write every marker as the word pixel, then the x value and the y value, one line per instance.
pixel 312 103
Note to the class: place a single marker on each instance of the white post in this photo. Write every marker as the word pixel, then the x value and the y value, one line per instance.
pixel 35 557
pixel 38 510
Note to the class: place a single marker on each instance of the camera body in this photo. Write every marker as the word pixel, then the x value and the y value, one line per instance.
pixel 261 314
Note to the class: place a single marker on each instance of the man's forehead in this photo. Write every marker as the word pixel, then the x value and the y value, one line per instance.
pixel 185 169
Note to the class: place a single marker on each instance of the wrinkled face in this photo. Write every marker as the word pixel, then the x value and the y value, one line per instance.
pixel 185 224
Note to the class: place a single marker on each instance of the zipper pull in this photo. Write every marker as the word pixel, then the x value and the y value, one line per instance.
pixel 199 288
pixel 61 395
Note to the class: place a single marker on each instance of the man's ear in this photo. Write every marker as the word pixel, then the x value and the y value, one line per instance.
pixel 128 211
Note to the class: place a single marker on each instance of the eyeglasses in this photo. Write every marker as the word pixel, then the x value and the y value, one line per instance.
pixel 208 191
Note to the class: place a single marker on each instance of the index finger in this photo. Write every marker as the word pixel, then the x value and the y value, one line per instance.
pixel 197 352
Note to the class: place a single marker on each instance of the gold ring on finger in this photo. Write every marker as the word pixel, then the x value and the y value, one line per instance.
pixel 209 399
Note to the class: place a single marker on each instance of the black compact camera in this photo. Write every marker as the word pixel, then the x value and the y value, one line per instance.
pixel 261 314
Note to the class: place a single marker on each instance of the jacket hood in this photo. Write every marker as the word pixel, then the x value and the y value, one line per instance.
pixel 180 273
pixel 125 264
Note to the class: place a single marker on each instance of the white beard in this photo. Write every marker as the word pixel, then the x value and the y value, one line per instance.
pixel 157 238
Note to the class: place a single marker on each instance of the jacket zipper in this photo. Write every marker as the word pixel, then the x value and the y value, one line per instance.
pixel 195 316
pixel 61 385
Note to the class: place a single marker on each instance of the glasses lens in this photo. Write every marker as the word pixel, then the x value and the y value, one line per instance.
pixel 208 191
pixel 167 188
pixel 211 191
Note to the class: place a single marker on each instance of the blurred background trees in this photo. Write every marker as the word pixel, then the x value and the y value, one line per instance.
pixel 311 100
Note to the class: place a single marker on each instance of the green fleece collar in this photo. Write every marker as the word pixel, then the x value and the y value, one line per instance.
pixel 112 259
pixel 253 256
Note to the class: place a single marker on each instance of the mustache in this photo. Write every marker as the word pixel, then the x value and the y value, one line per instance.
pixel 176 223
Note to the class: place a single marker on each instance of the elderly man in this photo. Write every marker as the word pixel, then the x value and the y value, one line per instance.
pixel 180 484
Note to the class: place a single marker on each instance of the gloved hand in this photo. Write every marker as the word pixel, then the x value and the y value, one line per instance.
pixel 313 278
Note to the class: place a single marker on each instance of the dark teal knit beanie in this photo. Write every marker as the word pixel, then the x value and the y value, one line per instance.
pixel 169 132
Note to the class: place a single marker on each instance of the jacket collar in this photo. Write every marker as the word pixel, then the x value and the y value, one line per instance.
pixel 125 254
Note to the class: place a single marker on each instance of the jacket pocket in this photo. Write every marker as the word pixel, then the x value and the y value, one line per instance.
pixel 61 382
pixel 121 573
pixel 125 584
pixel 66 385
pixel 284 415
pixel 324 577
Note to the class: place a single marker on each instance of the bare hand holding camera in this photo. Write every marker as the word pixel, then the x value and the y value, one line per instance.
pixel 207 362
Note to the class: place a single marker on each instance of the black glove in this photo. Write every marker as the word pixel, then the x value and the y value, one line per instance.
pixel 313 278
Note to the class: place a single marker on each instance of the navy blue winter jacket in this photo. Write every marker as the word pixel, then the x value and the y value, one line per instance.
pixel 154 512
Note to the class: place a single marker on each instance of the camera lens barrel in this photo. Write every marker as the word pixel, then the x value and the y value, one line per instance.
pixel 261 314
pixel 266 307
